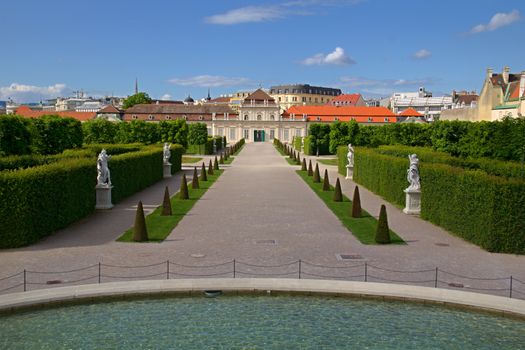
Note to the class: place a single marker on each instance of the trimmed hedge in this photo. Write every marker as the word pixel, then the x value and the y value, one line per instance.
pixel 206 148
pixel 37 201
pixel 484 209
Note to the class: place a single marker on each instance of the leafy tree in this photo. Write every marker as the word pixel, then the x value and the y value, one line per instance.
pixel 197 134
pixel 338 135
pixel 175 131
pixel 15 137
pixel 138 131
pixel 138 98
pixel 319 138
pixel 52 134
pixel 99 131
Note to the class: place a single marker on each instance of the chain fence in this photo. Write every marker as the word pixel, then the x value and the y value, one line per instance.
pixel 506 286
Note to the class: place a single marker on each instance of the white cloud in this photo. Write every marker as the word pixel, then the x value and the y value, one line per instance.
pixel 422 54
pixel 31 93
pixel 210 81
pixel 246 15
pixel 336 57
pixel 165 97
pixel 497 21
pixel 382 87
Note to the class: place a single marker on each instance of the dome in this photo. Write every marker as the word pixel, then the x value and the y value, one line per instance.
pixel 189 99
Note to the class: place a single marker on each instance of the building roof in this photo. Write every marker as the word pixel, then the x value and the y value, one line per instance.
pixel 189 99
pixel 224 99
pixel 27 112
pixel 207 108
pixel 110 110
pixel 259 95
pixel 514 91
pixel 410 112
pixel 350 99
pixel 342 113
pixel 467 99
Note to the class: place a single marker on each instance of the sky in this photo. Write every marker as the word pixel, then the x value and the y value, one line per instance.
pixel 175 48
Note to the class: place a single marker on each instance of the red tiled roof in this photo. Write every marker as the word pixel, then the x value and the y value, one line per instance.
pixel 410 112
pixel 259 95
pixel 515 91
pixel 350 99
pixel 27 112
pixel 110 110
pixel 220 100
pixel 342 113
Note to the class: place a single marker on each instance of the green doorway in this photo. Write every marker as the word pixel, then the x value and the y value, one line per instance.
pixel 258 136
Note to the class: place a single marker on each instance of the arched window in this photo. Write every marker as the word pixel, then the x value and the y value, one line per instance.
pixel 167 117
pixel 150 117
pixel 246 117
pixel 134 116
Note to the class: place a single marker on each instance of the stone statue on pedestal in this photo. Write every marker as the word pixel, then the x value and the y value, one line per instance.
pixel 413 173
pixel 103 175
pixel 350 155
pixel 167 153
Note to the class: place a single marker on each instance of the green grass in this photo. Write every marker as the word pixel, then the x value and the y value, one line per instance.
pixel 159 227
pixel 191 159
pixel 328 161
pixel 364 228
pixel 288 159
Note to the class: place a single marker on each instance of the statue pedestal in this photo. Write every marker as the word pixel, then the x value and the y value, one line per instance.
pixel 413 202
pixel 103 197
pixel 167 170
pixel 350 172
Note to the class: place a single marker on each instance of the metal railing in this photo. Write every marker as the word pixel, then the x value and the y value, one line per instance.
pixel 25 280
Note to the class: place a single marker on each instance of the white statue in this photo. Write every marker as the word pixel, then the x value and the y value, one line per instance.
pixel 350 155
pixel 167 153
pixel 103 176
pixel 413 173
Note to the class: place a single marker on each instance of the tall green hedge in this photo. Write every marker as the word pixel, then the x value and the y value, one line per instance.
pixel 484 209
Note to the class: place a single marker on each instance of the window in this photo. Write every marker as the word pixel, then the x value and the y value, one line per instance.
pixel 150 117
pixel 221 131
pixel 369 119
pixel 209 131
pixel 286 134
pixel 133 116
pixel 386 120
pixel 246 134
pixel 167 117
pixel 232 134
pixel 294 99
pixel 304 99
pixel 279 99
pixel 272 134
pixel 201 117
pixel 246 117
pixel 318 119
pixel 336 119
pixel 184 117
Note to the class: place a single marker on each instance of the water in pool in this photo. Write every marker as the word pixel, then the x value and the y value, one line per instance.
pixel 258 322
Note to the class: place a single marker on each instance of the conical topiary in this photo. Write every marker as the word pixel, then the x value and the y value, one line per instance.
pixel 216 164
pixel 210 168
pixel 221 160
pixel 326 181
pixel 183 193
pixel 310 170
pixel 303 165
pixel 317 176
pixel 298 161
pixel 140 232
pixel 338 194
pixel 356 204
pixel 195 181
pixel 383 232
pixel 203 177
pixel 166 204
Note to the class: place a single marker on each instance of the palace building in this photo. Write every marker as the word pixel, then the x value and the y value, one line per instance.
pixel 302 95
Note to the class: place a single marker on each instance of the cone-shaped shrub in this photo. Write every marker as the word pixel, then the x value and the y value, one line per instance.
pixel 216 164
pixel 195 181
pixel 221 160
pixel 383 232
pixel 298 159
pixel 310 170
pixel 166 204
pixel 326 181
pixel 317 176
pixel 183 193
pixel 338 194
pixel 140 232
pixel 204 177
pixel 303 166
pixel 210 168
pixel 356 204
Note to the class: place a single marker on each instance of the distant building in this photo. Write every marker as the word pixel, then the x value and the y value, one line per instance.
pixel 330 114
pixel 348 100
pixel 27 112
pixel 422 101
pixel 302 95
pixel 464 99
pixel 502 95
pixel 90 106
pixel 110 113
pixel 410 115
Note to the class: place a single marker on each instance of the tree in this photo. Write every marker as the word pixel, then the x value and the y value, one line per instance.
pixel 174 131
pixel 383 231
pixel 140 232
pixel 99 131
pixel 197 134
pixel 52 134
pixel 15 137
pixel 138 98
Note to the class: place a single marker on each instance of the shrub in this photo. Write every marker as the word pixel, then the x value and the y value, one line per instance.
pixel 183 193
pixel 15 137
pixel 195 180
pixel 210 168
pixel 319 139
pixel 140 232
pixel 99 131
pixel 342 160
pixel 317 176
pixel 310 170
pixel 356 204
pixel 52 134
pixel 216 164
pixel 303 165
pixel 203 176
pixel 174 131
pixel 197 134
pixel 338 194
pixel 166 204
pixel 326 181
pixel 383 231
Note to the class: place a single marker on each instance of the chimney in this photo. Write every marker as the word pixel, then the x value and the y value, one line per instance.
pixel 489 73
pixel 506 71
pixel 522 83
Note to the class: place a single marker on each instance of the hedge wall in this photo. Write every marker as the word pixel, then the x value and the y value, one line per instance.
pixel 37 201
pixel 206 148
pixel 484 209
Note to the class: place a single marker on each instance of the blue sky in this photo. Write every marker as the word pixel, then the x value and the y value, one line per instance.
pixel 177 48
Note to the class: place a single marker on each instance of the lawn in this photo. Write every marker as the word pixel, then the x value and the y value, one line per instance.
pixel 363 228
pixel 191 159
pixel 288 159
pixel 159 227
pixel 328 161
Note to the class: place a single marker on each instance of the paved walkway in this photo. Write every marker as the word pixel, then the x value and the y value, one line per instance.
pixel 259 199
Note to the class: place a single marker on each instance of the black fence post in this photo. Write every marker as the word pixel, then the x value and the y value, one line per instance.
pixel 366 272
pixel 436 279
pixel 233 268
pixel 167 269
pixel 299 268
pixel 99 268
pixel 25 283
pixel 510 293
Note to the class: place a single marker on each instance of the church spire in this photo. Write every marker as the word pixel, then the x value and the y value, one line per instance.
pixel 209 97
pixel 136 86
